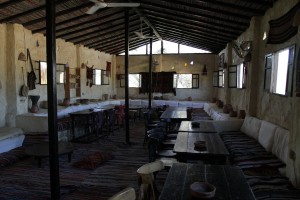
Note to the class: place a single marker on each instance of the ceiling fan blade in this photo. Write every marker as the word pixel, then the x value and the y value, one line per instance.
pixel 139 34
pixel 123 4
pixel 93 9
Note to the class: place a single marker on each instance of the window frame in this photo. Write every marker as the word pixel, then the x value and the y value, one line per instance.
pixel 221 77
pixel 104 77
pixel 95 76
pixel 273 57
pixel 121 77
pixel 243 86
pixel 232 76
pixel 60 68
pixel 215 78
pixel 194 81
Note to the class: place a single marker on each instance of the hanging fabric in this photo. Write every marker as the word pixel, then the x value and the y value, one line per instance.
pixel 89 76
pixel 108 69
pixel 31 77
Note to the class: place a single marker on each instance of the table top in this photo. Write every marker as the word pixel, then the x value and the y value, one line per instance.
pixel 229 181
pixel 42 149
pixel 205 127
pixel 214 144
pixel 175 113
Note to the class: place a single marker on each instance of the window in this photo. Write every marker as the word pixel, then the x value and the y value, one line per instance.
pixel 232 76
pixel 97 76
pixel 240 76
pixel 105 77
pixel 134 80
pixel 279 71
pixel 168 48
pixel 42 73
pixel 221 78
pixel 215 78
pixel 186 80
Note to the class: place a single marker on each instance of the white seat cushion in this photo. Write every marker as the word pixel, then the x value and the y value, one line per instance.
pixel 10 132
pixel 251 126
pixel 266 135
pixel 281 142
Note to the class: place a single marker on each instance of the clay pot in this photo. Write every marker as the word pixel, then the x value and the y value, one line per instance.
pixel 34 100
pixel 66 102
pixel 242 114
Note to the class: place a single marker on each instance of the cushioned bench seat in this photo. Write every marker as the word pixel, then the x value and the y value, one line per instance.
pixel 260 149
pixel 10 138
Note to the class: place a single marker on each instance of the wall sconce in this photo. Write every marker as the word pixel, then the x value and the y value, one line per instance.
pixel 22 57
pixel 204 71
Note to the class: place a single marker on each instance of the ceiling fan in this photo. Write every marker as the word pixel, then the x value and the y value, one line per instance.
pixel 101 4
pixel 140 35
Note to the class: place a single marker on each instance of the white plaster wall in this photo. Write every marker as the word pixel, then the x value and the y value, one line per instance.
pixel 15 39
pixel 275 108
pixel 280 110
pixel 172 62
pixel 98 60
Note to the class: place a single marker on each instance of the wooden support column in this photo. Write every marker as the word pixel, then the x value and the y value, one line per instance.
pixel 52 99
pixel 150 72
pixel 126 75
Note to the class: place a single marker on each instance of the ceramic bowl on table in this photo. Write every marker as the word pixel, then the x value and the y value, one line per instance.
pixel 202 190
pixel 195 124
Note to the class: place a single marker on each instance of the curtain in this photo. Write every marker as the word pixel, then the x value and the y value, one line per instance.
pixel 162 82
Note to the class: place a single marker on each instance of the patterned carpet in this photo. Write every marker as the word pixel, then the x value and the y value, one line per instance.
pixel 21 178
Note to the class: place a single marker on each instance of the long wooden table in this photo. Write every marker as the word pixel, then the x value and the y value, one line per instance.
pixel 229 181
pixel 205 127
pixel 214 151
pixel 174 114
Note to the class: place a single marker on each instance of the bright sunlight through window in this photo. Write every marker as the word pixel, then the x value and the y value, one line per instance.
pixel 240 75
pixel 168 48
pixel 182 81
pixel 134 80
pixel 282 69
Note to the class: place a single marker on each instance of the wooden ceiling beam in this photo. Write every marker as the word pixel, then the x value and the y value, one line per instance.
pixel 61 13
pixel 101 25
pixel 183 35
pixel 162 26
pixel 21 14
pixel 196 19
pixel 115 29
pixel 227 5
pixel 187 26
pixel 218 18
pixel 6 4
pixel 192 22
pixel 213 11
pixel 85 17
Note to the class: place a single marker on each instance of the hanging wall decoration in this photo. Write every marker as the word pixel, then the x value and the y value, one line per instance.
pixel 283 28
pixel 89 76
pixel 108 69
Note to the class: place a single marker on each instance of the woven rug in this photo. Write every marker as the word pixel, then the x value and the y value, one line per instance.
pixel 94 160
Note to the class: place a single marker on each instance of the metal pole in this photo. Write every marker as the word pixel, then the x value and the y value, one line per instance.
pixel 52 99
pixel 150 72
pixel 126 75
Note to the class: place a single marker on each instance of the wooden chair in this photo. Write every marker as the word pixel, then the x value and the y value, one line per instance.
pixel 146 180
pixel 126 194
